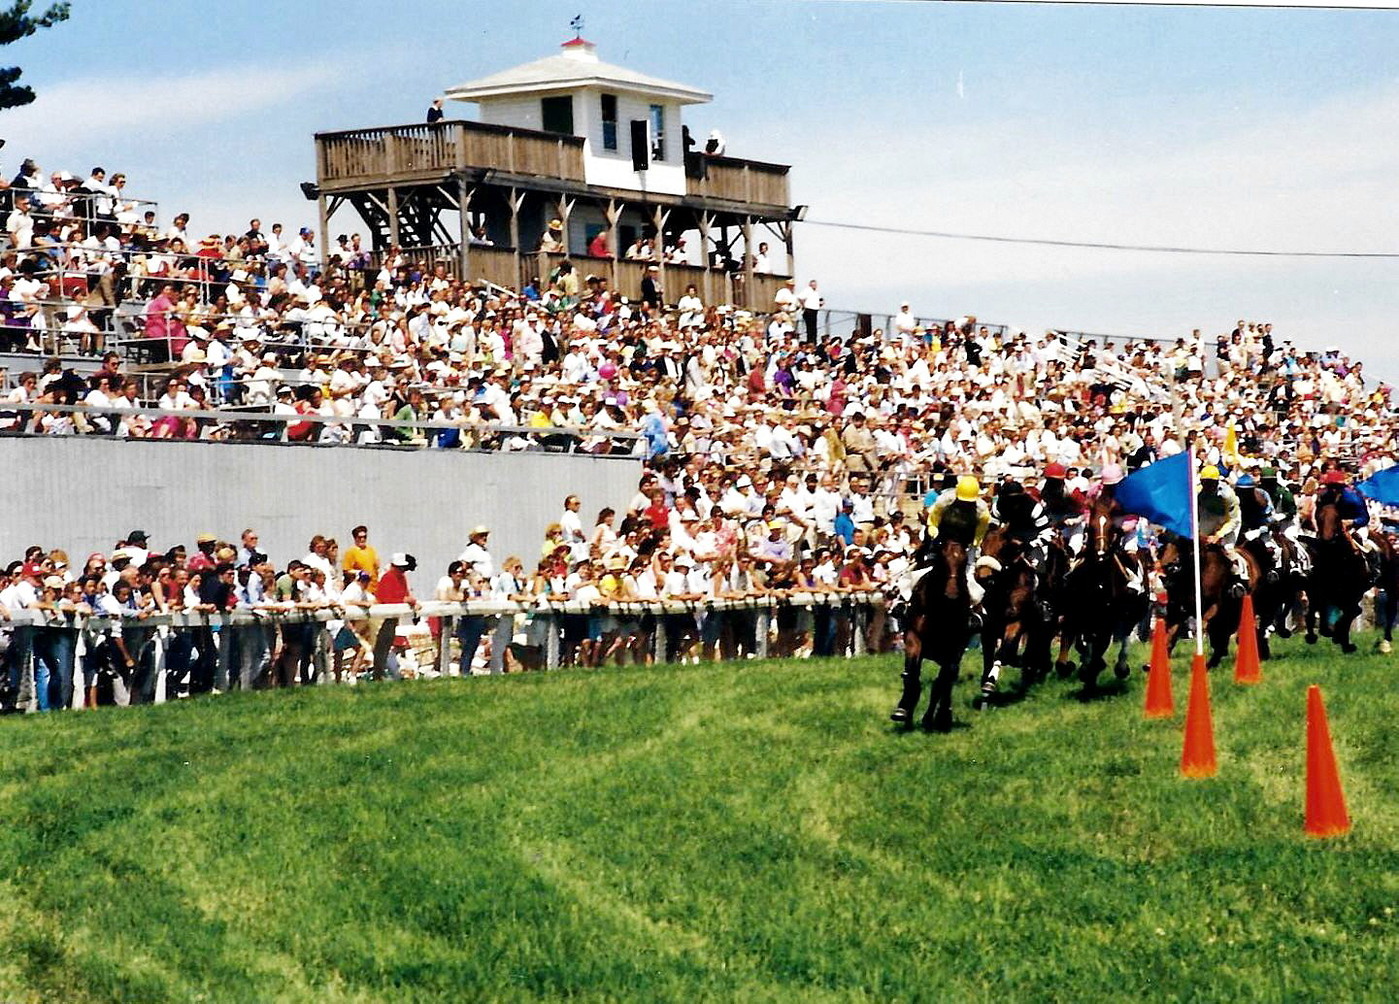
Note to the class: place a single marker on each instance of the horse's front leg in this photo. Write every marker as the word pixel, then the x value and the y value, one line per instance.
pixel 912 675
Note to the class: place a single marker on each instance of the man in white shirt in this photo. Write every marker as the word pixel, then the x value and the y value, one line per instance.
pixel 476 557
pixel 811 301
pixel 785 300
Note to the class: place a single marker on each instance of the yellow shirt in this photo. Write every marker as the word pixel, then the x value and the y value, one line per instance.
pixel 363 559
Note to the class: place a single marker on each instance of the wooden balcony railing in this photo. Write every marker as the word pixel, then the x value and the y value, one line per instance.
pixel 421 150
pixel 743 181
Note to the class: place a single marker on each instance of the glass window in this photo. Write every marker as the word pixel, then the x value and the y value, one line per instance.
pixel 658 132
pixel 609 121
pixel 557 114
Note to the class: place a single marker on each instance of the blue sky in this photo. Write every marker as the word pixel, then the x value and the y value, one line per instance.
pixel 1204 127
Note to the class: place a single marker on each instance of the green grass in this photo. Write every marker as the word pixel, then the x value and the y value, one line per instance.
pixel 737 832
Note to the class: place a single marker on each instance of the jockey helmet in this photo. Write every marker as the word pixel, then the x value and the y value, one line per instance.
pixel 1245 481
pixel 1112 474
pixel 1056 471
pixel 1268 474
pixel 968 489
pixel 1010 487
pixel 1210 473
pixel 1334 477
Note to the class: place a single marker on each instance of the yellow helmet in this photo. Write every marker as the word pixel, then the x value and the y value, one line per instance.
pixel 1210 473
pixel 968 489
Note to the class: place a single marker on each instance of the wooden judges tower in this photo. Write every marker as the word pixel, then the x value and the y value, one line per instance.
pixel 568 138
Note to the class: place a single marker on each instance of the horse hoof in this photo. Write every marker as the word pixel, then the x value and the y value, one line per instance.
pixel 1065 670
pixel 1284 632
pixel 938 723
pixel 1121 671
pixel 1311 639
pixel 1349 649
pixel 901 716
pixel 1385 647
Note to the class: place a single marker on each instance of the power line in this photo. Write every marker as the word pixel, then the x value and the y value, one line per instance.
pixel 1100 245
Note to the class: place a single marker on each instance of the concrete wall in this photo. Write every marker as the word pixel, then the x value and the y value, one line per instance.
pixel 83 494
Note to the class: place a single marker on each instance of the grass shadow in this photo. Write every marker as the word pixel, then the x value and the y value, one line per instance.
pixel 1089 693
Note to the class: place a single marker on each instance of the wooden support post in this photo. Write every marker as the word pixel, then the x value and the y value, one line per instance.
pixel 158 643
pixel 393 217
pixel 464 193
pixel 659 217
pixel 661 642
pixel 748 265
pixel 614 213
pixel 517 200
pixel 323 222
pixel 444 644
pixel 551 640
pixel 707 276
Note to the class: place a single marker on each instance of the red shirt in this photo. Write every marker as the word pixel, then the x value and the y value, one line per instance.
pixel 393 587
pixel 659 515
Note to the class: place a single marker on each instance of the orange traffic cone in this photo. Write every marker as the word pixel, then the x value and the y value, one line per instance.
pixel 1247 668
pixel 1197 758
pixel 1326 804
pixel 1159 701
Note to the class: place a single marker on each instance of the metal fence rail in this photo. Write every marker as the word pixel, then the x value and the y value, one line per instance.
pixel 225 632
pixel 257 423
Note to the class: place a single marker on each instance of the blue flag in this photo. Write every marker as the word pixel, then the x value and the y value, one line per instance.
pixel 1382 486
pixel 1161 493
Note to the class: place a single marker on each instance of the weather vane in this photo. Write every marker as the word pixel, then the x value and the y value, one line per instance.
pixel 577 25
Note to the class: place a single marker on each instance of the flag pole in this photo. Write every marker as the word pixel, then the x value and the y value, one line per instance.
pixel 1199 544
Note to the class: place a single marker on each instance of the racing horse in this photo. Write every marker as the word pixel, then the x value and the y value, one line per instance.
pixel 1341 578
pixel 937 629
pixel 1387 599
pixel 1293 592
pixel 1221 610
pixel 1015 625
pixel 1100 607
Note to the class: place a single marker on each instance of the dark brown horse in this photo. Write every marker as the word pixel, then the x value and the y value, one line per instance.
pixel 937 630
pixel 1221 610
pixel 1015 628
pixel 1341 578
pixel 1100 604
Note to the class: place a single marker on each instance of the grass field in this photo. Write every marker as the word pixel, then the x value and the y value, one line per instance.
pixel 734 832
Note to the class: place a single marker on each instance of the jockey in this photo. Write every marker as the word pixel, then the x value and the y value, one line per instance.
pixel 1284 505
pixel 1351 507
pixel 960 515
pixel 1064 507
pixel 1026 521
pixel 1257 519
pixel 1219 524
pixel 1105 493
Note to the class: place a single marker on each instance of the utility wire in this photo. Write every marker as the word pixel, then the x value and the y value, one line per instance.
pixel 1100 245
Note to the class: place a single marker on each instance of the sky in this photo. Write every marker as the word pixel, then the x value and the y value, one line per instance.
pixel 1244 128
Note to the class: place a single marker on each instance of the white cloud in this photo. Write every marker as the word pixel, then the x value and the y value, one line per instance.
pixel 77 114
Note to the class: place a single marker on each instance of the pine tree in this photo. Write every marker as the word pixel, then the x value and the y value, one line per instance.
pixel 17 23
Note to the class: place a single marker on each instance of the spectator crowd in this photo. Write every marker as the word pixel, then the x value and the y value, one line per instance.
pixel 781 457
